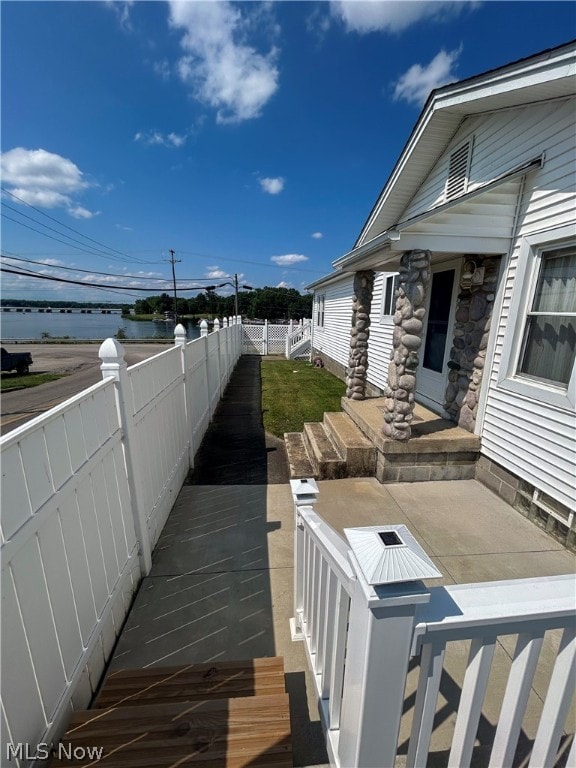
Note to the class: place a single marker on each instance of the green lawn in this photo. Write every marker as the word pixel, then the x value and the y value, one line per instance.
pixel 10 381
pixel 294 392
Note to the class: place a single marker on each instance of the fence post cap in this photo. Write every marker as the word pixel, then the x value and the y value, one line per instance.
pixel 111 351
pixel 203 328
pixel 180 334
pixel 389 554
pixel 304 491
pixel 216 324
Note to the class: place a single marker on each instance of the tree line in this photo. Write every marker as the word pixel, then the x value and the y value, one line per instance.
pixel 261 303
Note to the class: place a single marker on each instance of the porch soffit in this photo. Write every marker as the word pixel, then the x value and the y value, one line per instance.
pixel 481 222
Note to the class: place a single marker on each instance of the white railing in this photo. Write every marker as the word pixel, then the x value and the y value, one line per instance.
pixel 360 640
pixel 86 490
pixel 268 338
pixel 298 340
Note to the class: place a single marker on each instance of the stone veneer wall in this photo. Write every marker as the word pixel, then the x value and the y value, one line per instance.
pixel 406 342
pixel 359 334
pixel 468 353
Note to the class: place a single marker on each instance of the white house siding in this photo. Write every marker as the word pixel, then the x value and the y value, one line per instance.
pixel 532 439
pixel 503 140
pixel 380 343
pixel 333 339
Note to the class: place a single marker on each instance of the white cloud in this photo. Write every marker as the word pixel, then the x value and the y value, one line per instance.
pixel 224 72
pixel 273 186
pixel 79 212
pixel 122 10
pixel 162 69
pixel 317 235
pixel 44 179
pixel 393 15
pixel 151 138
pixel 289 258
pixel 283 284
pixel 215 273
pixel 416 83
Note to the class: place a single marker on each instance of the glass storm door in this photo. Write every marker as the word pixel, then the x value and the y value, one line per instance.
pixel 432 375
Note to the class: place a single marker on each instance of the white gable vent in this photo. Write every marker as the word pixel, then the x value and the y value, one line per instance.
pixel 458 170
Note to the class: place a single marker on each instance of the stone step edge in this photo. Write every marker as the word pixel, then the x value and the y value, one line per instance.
pixel 324 455
pixel 355 447
pixel 299 462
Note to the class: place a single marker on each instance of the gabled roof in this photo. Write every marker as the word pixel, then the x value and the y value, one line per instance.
pixel 548 75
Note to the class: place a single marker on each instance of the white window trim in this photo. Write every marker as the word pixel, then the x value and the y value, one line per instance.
pixel 320 309
pixel 387 318
pixel 526 276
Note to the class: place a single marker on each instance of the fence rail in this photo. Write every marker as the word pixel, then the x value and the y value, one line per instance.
pixel 86 490
pixel 362 640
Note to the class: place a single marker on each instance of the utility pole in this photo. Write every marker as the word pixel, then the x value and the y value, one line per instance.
pixel 235 294
pixel 173 261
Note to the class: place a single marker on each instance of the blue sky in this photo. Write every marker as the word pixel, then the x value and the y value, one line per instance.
pixel 251 138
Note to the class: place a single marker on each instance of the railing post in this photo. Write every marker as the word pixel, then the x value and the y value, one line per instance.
pixel 218 357
pixel 114 366
pixel 304 494
pixel 288 340
pixel 265 338
pixel 381 626
pixel 203 328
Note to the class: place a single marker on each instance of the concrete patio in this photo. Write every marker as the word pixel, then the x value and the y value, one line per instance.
pixel 222 577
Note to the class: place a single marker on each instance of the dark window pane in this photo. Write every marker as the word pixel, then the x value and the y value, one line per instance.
pixel 548 349
pixel 438 316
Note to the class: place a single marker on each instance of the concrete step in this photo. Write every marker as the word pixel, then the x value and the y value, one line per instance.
pixel 299 462
pixel 326 459
pixel 356 450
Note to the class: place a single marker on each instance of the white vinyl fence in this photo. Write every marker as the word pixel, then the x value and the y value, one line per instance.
pixel 86 490
pixel 360 640
pixel 270 339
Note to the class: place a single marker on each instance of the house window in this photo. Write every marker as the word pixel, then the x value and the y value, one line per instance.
pixel 458 170
pixel 320 310
pixel 549 341
pixel 389 290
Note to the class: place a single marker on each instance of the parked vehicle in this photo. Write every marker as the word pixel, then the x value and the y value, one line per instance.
pixel 18 361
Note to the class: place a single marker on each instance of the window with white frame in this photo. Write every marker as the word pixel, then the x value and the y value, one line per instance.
pixel 389 290
pixel 320 300
pixel 548 346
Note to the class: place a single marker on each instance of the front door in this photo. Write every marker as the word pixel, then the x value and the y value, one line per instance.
pixel 432 374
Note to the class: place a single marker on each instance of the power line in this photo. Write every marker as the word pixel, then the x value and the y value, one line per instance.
pixel 29 273
pixel 107 274
pixel 66 226
pixel 10 208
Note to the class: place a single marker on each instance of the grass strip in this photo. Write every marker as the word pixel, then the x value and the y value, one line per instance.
pixel 294 392
pixel 10 381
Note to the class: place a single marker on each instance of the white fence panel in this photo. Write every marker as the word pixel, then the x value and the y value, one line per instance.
pixel 161 439
pixel 81 485
pixel 69 561
pixel 213 352
pixel 197 390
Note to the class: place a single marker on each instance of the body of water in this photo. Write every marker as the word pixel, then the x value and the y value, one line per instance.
pixel 31 325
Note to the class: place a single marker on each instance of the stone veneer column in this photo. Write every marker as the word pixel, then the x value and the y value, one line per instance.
pixel 406 341
pixel 359 333
pixel 468 353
